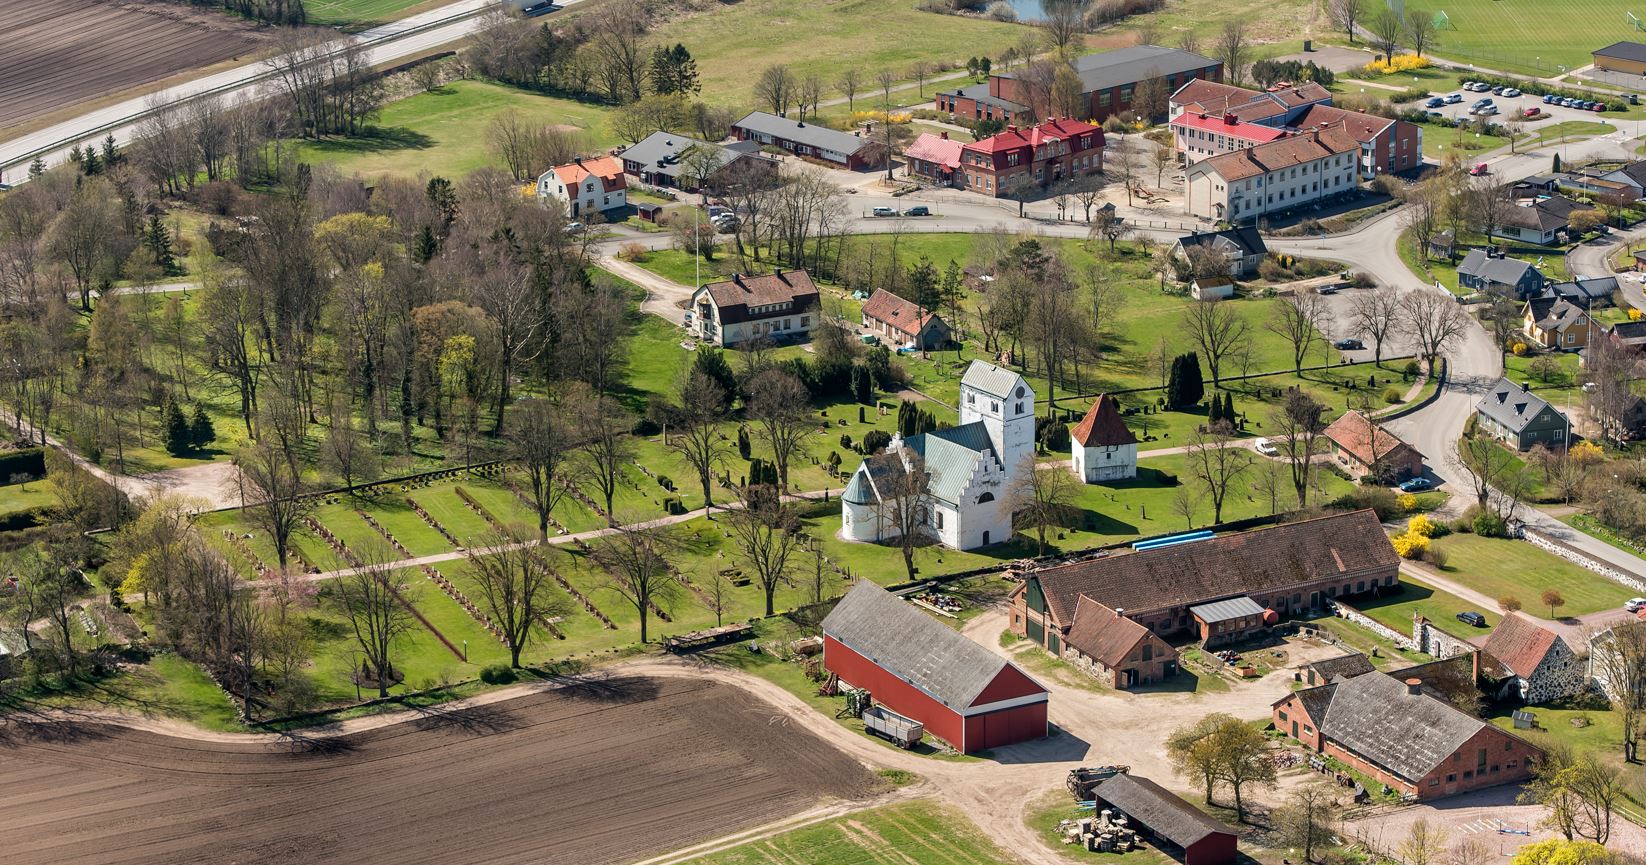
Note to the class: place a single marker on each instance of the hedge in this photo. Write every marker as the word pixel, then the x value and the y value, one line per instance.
pixel 29 461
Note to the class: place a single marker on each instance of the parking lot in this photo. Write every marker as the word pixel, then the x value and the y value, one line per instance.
pixel 1512 107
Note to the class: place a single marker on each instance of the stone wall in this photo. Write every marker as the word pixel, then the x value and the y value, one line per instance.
pixel 1348 613
pixel 1429 639
pixel 1550 544
pixel 1561 674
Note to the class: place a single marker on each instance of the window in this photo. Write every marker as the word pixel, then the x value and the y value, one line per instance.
pixel 971 398
pixel 1019 408
pixel 985 498
pixel 937 520
pixel 1281 716
pixel 1148 652
pixel 1451 778
pixel 1105 99
pixel 994 406
pixel 805 321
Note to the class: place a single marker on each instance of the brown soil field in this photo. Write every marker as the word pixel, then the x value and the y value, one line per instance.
pixel 601 773
pixel 60 52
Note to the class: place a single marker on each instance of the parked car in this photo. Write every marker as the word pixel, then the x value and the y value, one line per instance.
pixel 1266 447
pixel 1437 115
pixel 1349 344
pixel 1498 90
pixel 1599 107
pixel 1480 168
pixel 1470 617
pixel 575 227
pixel 885 211
pixel 1567 102
pixel 1548 98
pixel 918 210
pixel 1532 112
pixel 1511 92
pixel 1635 605
pixel 1435 102
pixel 1453 98
pixel 1416 485
pixel 1487 110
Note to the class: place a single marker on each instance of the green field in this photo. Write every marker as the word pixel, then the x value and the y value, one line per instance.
pixel 1530 36
pixel 921 832
pixel 1498 567
pixel 1395 610
pixel 444 132
pixel 22 497
pixel 351 14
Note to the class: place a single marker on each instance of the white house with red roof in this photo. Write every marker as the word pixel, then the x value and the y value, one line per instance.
pixel 935 158
pixel 584 186
pixel 1200 135
pixel 1023 158
pixel 1101 446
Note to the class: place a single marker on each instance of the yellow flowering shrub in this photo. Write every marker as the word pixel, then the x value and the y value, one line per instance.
pixel 1400 63
pixel 1634 314
pixel 879 116
pixel 1421 525
pixel 1410 546
pixel 1406 501
pixel 1519 349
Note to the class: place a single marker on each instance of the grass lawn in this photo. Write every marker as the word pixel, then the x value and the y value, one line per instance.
pixel 1440 139
pixel 1043 815
pixel 920 832
pixel 167 686
pixel 444 132
pixel 1558 385
pixel 1498 567
pixel 1395 609
pixel 1524 37
pixel 355 12
pixel 1426 268
pixel 1566 130
pixel 21 497
pixel 1594 729
pixel 1364 641
pixel 679 266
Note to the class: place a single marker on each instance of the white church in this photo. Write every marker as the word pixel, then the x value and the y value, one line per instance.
pixel 971 466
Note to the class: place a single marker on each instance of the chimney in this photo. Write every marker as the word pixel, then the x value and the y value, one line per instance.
pixel 578 160
pixel 738 278
pixel 1012 128
pixel 1526 386
pixel 1120 611
pixel 1414 686
pixel 1230 119
pixel 944 135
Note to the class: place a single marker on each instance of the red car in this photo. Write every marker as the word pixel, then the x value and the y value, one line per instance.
pixel 1479 169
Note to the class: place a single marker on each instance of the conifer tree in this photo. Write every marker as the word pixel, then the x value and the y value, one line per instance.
pixel 177 430
pixel 201 431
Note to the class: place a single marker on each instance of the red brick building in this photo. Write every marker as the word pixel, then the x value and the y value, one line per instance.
pixel 913 665
pixel 1035 157
pixel 1108 85
pixel 1186 830
pixel 1399 734
pixel 1361 447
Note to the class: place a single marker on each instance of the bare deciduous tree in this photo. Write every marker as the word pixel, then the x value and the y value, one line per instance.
pixel 1297 430
pixel 370 597
pixel 516 588
pixel 781 409
pixel 1433 322
pixel 1217 462
pixel 272 491
pixel 766 532
pixel 1042 499
pixel 1297 320
pixel 1233 49
pixel 637 569
pixel 1218 331
pixel 1376 313
pixel 544 442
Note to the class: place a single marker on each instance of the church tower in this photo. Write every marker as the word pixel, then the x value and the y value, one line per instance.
pixel 1004 403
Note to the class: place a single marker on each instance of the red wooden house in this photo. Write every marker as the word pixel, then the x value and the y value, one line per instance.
pixel 910 663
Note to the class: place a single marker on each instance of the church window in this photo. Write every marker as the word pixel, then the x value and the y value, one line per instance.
pixel 985 498
pixel 937 519
pixel 1019 408
pixel 994 406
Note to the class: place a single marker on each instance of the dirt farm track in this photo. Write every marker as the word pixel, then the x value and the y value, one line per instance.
pixel 605 773
pixel 57 53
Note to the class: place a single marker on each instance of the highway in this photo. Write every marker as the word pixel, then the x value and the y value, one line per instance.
pixel 386 44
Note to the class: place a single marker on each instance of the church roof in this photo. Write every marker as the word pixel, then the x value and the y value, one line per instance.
pixel 951 457
pixel 990 379
pixel 1102 426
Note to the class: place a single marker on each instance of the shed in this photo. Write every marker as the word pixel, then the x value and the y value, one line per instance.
pixel 1227 620
pixel 648 212
pixel 1211 288
pixel 914 665
pixel 1169 819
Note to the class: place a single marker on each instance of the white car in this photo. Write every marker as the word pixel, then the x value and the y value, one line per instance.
pixel 1266 447
pixel 1635 605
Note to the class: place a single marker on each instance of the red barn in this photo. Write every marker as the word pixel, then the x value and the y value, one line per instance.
pixel 1201 840
pixel 910 663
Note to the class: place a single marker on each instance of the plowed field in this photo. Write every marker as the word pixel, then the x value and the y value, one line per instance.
pixel 56 53
pixel 602 774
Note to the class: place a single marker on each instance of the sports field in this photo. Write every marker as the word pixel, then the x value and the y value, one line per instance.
pixel 357 12
pixel 1532 36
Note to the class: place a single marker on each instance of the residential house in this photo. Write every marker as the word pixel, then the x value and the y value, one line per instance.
pixel 1291 569
pixel 1514 415
pixel 1531 661
pixel 1101 447
pixel 1626 57
pixel 1442 245
pixel 966 471
pixel 1533 216
pixel 1293 172
pixel 1555 323
pixel 1631 177
pixel 1396 732
pixel 1117 651
pixel 777 306
pixel 1362 447
pixel 1108 84
pixel 808 140
pixel 1488 270
pixel 902 323
pixel 1020 159
pixel 1629 334
pixel 1327 669
pixel 921 669
pixel 1171 823
pixel 666 160
pixel 1242 247
pixel 934 159
pixel 1587 292
pixel 585 186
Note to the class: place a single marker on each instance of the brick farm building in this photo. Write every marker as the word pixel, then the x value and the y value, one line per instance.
pixel 910 663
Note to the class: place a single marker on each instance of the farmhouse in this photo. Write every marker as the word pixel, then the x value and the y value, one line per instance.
pixel 1019 159
pixel 934 159
pixel 1400 735
pixel 912 664
pixel 964 473
pixel 1532 663
pixel 1363 448
pixel 902 323
pixel 1108 84
pixel 1291 568
pixel 1289 173
pixel 1242 247
pixel 1514 415
pixel 585 187
pixel 1555 323
pixel 666 160
pixel 1101 447
pixel 1116 650
pixel 1487 270
pixel 1625 57
pixel 777 306
pixel 808 140
pixel 1201 840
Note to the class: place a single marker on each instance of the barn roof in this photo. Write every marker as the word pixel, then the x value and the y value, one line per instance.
pixel 1101 633
pixel 1520 643
pixel 1377 717
pixel 1226 610
pixel 913 646
pixel 1221 567
pixel 1348 666
pixel 1163 812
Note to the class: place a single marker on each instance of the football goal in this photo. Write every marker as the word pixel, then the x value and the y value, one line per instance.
pixel 1443 21
pixel 1634 21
